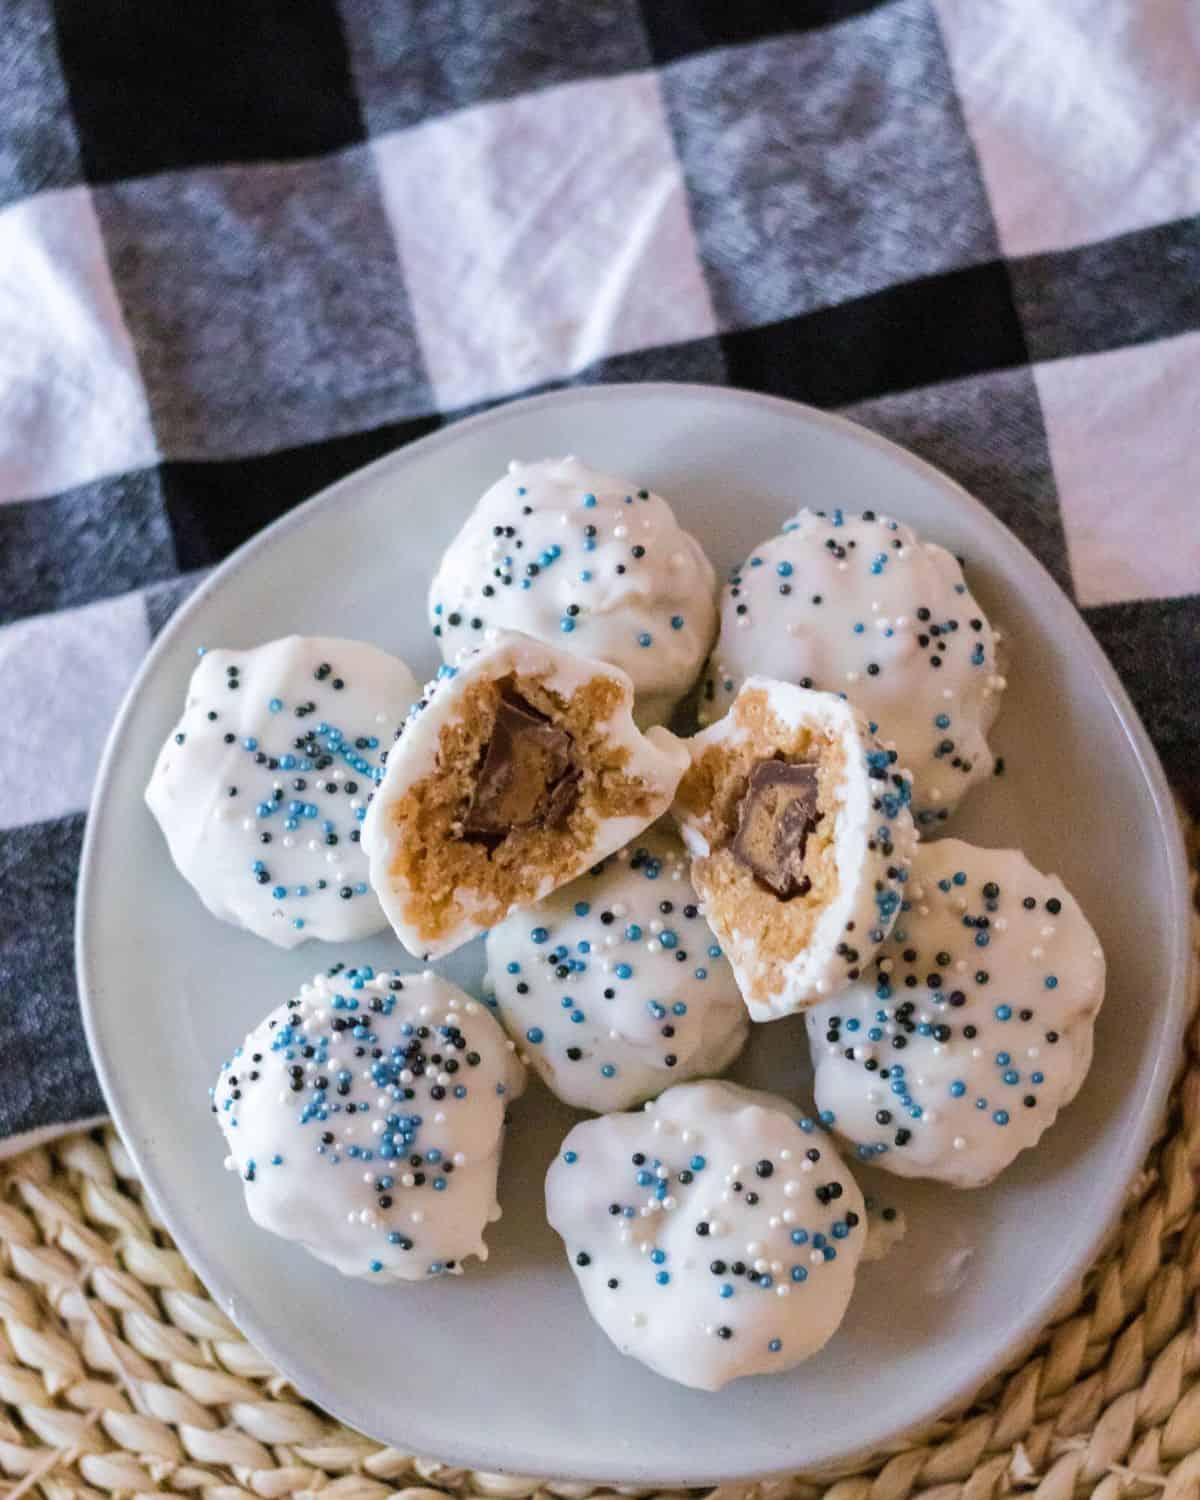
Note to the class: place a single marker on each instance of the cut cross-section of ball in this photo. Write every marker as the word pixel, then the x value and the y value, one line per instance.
pixel 365 1118
pixel 713 1233
pixel 801 835
pixel 515 772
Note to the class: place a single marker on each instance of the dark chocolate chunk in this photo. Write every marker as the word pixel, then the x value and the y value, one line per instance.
pixel 775 818
pixel 527 777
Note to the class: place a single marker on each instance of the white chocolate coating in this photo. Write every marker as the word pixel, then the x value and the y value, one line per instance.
pixel 656 757
pixel 873 844
pixel 613 988
pixel 261 788
pixel 586 561
pixel 324 1139
pixel 999 1035
pixel 895 629
pixel 713 1281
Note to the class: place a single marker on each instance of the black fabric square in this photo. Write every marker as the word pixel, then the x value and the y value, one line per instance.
pixel 88 543
pixel 158 86
pixel 918 333
pixel 677 28
pixel 1128 290
pixel 413 60
pixel 215 507
pixel 1155 646
pixel 38 149
pixel 48 1077
pixel 697 360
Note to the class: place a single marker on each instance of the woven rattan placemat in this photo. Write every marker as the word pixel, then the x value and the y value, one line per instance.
pixel 119 1376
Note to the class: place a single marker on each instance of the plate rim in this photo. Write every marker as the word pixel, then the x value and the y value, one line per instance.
pixel 488 1454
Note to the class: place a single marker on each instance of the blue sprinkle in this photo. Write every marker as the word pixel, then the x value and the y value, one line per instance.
pixel 582 908
pixel 645 639
pixel 589 502
pixel 1001 1117
pixel 535 1034
pixel 676 622
pixel 539 935
pixel 1051 981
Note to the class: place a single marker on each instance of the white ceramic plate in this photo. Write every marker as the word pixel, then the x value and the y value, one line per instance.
pixel 502 1369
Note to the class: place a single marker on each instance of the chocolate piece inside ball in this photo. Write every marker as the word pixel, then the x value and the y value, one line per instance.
pixel 527 776
pixel 775 818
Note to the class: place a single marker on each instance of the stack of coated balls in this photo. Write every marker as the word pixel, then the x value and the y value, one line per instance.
pixel 646 899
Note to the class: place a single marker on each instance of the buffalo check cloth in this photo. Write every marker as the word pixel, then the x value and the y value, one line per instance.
pixel 248 245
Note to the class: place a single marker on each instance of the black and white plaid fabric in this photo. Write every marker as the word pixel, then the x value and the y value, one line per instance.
pixel 246 246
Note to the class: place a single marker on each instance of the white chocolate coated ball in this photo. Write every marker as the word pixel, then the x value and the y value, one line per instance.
pixel 324 1139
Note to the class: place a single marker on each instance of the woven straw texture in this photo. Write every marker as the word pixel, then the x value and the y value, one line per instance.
pixel 120 1377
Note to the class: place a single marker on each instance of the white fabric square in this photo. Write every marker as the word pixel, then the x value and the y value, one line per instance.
pixel 542 233
pixel 69 671
pixel 72 404
pixel 1085 113
pixel 1122 432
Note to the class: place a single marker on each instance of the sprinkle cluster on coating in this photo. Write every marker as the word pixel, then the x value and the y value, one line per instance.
pixel 293 793
pixel 555 551
pixel 391 1082
pixel 614 986
pixel 966 1037
pixel 672 1229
